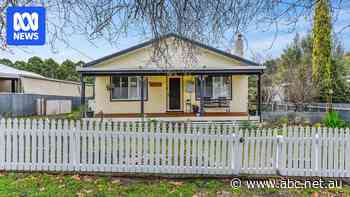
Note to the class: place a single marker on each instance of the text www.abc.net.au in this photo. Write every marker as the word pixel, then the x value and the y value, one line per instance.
pixel 285 183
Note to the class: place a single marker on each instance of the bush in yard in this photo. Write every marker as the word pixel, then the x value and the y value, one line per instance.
pixel 246 124
pixel 283 121
pixel 333 120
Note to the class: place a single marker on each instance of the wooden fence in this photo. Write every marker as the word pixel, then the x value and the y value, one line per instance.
pixel 172 148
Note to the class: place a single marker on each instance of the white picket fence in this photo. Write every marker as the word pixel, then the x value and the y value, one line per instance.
pixel 172 148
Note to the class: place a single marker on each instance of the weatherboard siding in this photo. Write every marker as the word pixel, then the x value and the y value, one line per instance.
pixel 51 87
pixel 157 96
pixel 178 59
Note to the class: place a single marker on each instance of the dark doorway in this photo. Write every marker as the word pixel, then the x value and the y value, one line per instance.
pixel 174 94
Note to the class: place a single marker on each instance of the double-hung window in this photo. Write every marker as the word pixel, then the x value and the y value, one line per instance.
pixel 127 88
pixel 215 87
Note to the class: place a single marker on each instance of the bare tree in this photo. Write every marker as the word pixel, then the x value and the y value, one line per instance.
pixel 209 21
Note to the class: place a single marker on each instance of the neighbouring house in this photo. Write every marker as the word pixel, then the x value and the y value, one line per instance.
pixel 20 81
pixel 215 84
pixel 20 92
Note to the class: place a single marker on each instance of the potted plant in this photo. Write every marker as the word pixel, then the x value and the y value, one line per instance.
pixel 89 113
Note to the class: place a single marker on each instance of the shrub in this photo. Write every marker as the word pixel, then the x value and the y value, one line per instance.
pixel 246 124
pixel 333 120
pixel 283 121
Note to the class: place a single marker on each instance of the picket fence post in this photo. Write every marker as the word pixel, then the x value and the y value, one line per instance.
pixel 316 152
pixel 237 151
pixel 279 153
pixel 2 144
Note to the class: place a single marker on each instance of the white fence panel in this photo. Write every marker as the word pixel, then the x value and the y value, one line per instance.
pixel 172 148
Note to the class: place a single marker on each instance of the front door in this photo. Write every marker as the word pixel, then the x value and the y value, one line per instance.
pixel 174 94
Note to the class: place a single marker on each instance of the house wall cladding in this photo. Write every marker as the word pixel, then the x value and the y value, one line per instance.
pixel 157 96
pixel 172 148
pixel 13 104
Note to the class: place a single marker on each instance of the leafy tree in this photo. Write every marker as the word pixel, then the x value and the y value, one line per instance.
pixel 294 71
pixel 322 50
pixel 50 68
pixel 6 62
pixel 67 71
pixel 22 65
pixel 340 65
pixel 34 64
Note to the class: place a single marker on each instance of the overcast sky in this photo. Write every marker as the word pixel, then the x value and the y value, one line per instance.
pixel 260 43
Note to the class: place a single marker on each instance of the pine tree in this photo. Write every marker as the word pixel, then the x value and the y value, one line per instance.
pixel 322 50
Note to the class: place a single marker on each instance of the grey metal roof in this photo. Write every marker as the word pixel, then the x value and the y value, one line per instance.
pixel 9 72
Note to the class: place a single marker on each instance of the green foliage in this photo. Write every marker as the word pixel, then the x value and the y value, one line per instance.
pixel 283 121
pixel 246 124
pixel 322 47
pixel 42 184
pixel 294 71
pixel 74 115
pixel 333 120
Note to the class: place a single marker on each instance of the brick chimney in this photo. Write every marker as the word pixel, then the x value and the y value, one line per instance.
pixel 238 46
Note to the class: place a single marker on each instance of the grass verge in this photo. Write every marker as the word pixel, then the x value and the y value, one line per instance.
pixel 42 184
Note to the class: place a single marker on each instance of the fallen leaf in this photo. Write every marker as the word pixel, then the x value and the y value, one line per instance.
pixel 116 181
pixel 79 194
pixel 76 177
pixel 201 194
pixel 88 178
pixel 223 194
pixel 176 183
pixel 314 194
pixel 88 191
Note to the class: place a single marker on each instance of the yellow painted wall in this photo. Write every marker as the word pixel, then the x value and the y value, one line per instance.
pixel 52 87
pixel 157 96
pixel 178 58
pixel 156 102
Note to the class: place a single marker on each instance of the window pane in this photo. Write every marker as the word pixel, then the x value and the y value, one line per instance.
pixel 221 87
pixel 120 88
pixel 133 88
pixel 145 86
pixel 215 87
pixel 208 87
pixel 127 88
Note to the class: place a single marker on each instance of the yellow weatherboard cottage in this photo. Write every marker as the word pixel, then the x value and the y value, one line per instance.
pixel 129 84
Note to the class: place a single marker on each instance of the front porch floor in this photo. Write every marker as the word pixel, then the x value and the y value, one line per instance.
pixel 206 118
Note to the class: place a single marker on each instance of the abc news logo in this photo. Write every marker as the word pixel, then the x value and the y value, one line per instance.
pixel 32 25
pixel 26 26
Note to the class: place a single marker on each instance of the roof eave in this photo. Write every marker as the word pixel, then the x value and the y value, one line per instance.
pixel 180 72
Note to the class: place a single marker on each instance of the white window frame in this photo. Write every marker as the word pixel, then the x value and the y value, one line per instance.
pixel 221 79
pixel 130 78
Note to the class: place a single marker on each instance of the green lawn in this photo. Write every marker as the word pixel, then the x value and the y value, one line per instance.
pixel 35 184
